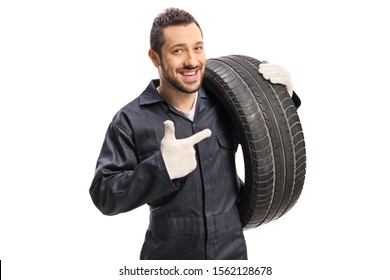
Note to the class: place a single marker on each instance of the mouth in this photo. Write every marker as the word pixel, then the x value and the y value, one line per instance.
pixel 191 74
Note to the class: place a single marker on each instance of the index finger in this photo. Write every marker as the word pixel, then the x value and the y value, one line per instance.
pixel 201 135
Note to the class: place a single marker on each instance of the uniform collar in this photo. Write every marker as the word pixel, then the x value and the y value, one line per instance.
pixel 151 95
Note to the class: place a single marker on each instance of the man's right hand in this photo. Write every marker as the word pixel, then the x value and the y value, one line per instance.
pixel 179 154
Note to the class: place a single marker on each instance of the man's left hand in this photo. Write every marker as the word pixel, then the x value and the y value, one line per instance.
pixel 276 75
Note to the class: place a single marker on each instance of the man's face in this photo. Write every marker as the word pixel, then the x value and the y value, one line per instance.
pixel 183 58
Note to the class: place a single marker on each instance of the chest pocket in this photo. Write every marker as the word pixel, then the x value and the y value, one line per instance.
pixel 144 154
pixel 148 140
pixel 227 154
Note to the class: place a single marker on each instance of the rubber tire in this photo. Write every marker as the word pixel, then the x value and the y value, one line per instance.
pixel 270 135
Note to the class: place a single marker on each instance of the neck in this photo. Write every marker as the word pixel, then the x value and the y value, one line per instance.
pixel 180 100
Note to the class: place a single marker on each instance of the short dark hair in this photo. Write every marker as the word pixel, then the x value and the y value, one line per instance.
pixel 171 16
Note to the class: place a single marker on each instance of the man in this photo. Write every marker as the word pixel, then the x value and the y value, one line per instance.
pixel 173 149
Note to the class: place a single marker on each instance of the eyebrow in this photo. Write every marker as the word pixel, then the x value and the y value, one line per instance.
pixel 183 45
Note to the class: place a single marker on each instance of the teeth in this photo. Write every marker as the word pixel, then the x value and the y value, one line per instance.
pixel 189 73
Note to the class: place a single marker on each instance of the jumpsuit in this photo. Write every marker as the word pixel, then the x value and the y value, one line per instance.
pixel 194 217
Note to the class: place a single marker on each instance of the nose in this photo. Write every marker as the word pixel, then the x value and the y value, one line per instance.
pixel 190 59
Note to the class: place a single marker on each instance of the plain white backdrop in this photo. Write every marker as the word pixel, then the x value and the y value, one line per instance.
pixel 66 67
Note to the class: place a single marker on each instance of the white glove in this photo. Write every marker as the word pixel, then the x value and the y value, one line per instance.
pixel 276 75
pixel 179 154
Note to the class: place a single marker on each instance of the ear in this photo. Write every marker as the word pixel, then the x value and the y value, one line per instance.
pixel 154 57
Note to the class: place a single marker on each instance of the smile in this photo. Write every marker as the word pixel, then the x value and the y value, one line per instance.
pixel 189 73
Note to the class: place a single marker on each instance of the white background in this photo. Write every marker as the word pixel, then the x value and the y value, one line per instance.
pixel 66 67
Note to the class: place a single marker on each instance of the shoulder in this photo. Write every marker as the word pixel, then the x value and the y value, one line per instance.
pixel 137 110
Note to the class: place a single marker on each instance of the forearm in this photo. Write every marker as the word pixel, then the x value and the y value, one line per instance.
pixel 117 192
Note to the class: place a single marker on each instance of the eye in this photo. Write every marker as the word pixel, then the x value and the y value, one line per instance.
pixel 177 51
pixel 199 49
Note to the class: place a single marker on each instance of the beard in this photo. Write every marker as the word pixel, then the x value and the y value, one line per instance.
pixel 180 86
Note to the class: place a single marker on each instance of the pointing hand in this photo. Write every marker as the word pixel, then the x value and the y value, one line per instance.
pixel 179 154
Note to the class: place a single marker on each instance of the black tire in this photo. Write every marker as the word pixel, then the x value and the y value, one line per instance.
pixel 270 135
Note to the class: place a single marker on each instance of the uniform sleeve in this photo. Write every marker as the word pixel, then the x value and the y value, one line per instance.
pixel 121 183
pixel 296 100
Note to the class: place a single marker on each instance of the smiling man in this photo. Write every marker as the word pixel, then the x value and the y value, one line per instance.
pixel 181 63
pixel 186 175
